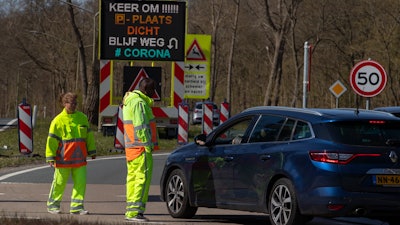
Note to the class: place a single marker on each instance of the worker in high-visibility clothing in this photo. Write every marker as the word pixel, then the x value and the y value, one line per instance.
pixel 69 142
pixel 141 138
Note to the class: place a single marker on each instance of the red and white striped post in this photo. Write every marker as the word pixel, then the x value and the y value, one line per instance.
pixel 105 107
pixel 183 123
pixel 224 112
pixel 178 83
pixel 207 117
pixel 25 133
pixel 119 142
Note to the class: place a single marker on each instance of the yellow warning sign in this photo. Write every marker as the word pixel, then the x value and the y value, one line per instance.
pixel 197 66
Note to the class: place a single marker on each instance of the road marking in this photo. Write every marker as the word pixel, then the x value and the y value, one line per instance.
pixel 42 167
pixel 9 124
pixel 21 172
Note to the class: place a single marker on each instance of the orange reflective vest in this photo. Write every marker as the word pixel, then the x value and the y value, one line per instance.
pixel 140 131
pixel 70 140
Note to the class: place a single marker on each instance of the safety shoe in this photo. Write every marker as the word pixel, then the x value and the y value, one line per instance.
pixel 80 212
pixel 54 211
pixel 138 218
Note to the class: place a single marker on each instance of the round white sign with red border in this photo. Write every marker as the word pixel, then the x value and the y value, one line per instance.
pixel 368 78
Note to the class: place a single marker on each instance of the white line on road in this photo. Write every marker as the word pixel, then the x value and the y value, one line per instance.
pixel 10 123
pixel 42 167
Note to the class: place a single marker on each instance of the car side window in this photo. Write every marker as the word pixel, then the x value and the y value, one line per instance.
pixel 267 128
pixel 302 131
pixel 286 131
pixel 235 134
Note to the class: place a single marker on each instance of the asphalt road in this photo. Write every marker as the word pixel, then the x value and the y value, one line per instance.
pixel 5 123
pixel 24 191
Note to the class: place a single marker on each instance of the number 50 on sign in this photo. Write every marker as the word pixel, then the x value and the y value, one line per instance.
pixel 368 78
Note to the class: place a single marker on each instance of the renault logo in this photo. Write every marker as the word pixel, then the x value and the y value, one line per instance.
pixel 393 156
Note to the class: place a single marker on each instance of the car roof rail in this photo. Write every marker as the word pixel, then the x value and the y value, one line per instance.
pixel 285 108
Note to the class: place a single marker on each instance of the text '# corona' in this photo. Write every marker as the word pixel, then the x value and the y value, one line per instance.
pixel 147 53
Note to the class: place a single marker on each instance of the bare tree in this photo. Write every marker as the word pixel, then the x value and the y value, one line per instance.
pixel 216 9
pixel 278 20
pixel 89 92
pixel 231 51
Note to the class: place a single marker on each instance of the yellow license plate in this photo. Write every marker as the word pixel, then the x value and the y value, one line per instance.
pixel 387 179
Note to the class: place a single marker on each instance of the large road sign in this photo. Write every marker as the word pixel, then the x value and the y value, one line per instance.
pixel 142 30
pixel 368 78
pixel 197 66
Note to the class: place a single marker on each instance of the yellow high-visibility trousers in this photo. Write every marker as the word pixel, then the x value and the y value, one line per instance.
pixel 60 179
pixel 138 179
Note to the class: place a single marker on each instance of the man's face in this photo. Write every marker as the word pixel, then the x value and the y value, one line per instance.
pixel 70 106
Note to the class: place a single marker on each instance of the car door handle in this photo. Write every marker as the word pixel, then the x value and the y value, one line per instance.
pixel 265 157
pixel 228 158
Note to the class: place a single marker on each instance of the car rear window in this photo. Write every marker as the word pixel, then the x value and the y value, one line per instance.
pixel 366 133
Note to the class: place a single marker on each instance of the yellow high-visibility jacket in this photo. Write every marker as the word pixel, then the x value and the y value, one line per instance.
pixel 70 140
pixel 140 132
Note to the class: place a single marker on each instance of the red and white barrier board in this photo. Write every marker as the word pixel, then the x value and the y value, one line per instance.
pixel 224 112
pixel 183 123
pixel 178 85
pixel 119 142
pixel 207 118
pixel 25 133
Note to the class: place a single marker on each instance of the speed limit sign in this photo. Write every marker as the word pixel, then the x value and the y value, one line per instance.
pixel 368 78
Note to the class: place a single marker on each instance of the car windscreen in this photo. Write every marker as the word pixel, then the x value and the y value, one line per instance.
pixel 366 133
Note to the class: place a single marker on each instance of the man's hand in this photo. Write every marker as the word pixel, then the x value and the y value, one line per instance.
pixel 199 142
pixel 51 163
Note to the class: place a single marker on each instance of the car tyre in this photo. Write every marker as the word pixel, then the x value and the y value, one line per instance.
pixel 282 205
pixel 177 196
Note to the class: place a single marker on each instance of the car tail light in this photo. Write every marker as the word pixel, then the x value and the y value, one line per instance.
pixel 335 207
pixel 337 157
pixel 377 122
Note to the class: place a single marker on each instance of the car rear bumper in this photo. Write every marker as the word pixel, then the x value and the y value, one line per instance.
pixel 323 201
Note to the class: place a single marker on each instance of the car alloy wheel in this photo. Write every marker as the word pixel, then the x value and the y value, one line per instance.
pixel 281 205
pixel 175 194
pixel 177 199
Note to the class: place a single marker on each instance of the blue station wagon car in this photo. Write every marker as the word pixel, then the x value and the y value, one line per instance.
pixel 291 163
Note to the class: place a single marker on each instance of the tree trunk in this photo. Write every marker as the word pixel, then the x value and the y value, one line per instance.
pixel 231 52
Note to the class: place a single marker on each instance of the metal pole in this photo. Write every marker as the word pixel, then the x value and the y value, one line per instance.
pixel 337 102
pixel 305 75
pixel 94 37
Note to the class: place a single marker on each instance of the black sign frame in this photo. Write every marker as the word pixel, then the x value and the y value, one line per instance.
pixel 142 30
